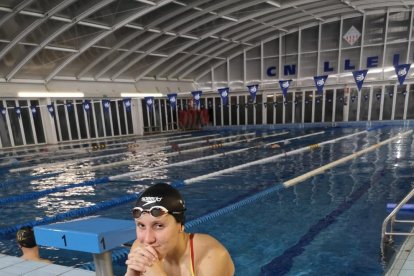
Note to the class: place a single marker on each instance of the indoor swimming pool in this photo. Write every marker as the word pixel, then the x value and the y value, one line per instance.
pixel 234 184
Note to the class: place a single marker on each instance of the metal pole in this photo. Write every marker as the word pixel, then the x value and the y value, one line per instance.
pixel 103 264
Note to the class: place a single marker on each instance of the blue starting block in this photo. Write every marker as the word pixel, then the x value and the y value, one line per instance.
pixel 95 235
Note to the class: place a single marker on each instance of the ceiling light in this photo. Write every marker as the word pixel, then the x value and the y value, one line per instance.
pixel 140 95
pixel 273 3
pixel 47 94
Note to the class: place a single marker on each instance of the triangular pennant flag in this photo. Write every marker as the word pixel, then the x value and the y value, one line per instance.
pixel 33 110
pixel 3 111
pixel 196 97
pixel 87 105
pixel 51 109
pixel 402 70
pixel 149 101
pixel 127 103
pixel 359 77
pixel 320 83
pixel 106 105
pixel 18 111
pixel 253 90
pixel 172 98
pixel 224 94
pixel 284 85
pixel 69 107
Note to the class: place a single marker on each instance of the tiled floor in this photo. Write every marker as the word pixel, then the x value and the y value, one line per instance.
pixel 11 266
pixel 404 261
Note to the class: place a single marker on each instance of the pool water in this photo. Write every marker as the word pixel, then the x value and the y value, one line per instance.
pixel 327 225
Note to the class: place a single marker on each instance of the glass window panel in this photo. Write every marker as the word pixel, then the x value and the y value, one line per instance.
pixel 72 120
pixel 372 57
pixel 144 114
pixel 236 70
pixel 350 60
pixel 410 107
pixel 339 106
pixel 318 108
pixel 353 104
pixel 234 108
pixel 27 124
pixel 388 99
pixel 269 109
pixel 122 116
pixel 210 108
pixel 253 70
pixel 290 43
pixel 271 48
pixel 308 106
pixel 226 114
pixel 287 105
pixel 115 117
pixel 310 39
pixel 329 62
pixel 328 105
pixel 400 102
pixel 270 68
pixel 15 123
pixel 81 119
pixel 309 64
pixel 279 108
pixel 242 110
pixel 37 121
pixel 348 23
pixel 364 109
pixel 395 53
pixel 374 28
pixel 330 35
pixel 376 103
pixel 298 107
pixel 259 109
pixel 220 74
pixel 4 132
pixel 218 110
pixel 250 111
pixel 60 107
pixel 98 118
pixel 398 26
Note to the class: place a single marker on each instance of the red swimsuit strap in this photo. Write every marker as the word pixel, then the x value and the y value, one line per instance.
pixel 192 251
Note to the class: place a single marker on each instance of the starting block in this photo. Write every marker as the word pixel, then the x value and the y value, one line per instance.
pixel 95 235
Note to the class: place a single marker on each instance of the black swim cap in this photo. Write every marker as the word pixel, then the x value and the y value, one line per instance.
pixel 162 194
pixel 25 237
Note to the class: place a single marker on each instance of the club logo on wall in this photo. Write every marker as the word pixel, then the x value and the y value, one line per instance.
pixel 352 35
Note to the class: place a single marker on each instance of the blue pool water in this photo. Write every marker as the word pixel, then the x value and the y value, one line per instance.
pixel 328 223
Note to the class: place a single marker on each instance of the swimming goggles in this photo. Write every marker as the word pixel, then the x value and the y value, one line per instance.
pixel 155 211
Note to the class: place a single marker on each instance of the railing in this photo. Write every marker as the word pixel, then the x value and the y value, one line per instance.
pixel 390 220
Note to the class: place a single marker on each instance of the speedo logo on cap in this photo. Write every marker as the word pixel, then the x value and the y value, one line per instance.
pixel 150 199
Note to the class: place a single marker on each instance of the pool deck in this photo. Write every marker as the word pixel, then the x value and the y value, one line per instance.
pixel 403 264
pixel 11 266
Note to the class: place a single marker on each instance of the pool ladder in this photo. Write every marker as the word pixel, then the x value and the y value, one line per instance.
pixel 390 220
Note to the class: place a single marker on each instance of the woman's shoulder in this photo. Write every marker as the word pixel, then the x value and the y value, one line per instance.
pixel 204 243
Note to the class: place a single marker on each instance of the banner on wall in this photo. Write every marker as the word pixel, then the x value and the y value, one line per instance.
pixel 33 110
pixel 69 107
pixel 149 101
pixel 320 83
pixel 253 90
pixel 284 85
pixel 87 105
pixel 196 97
pixel 224 94
pixel 172 98
pixel 106 105
pixel 359 77
pixel 51 109
pixel 127 104
pixel 402 70
pixel 18 111
pixel 3 111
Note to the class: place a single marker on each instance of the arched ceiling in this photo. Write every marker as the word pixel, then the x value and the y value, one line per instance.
pixel 133 40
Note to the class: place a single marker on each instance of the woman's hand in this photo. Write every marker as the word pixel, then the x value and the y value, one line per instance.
pixel 141 258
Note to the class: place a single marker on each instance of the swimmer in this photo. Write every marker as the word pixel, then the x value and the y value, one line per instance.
pixel 27 243
pixel 163 247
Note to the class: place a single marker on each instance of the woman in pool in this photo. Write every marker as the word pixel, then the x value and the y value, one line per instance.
pixel 163 247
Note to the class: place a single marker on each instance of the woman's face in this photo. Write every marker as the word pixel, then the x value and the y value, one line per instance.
pixel 161 233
